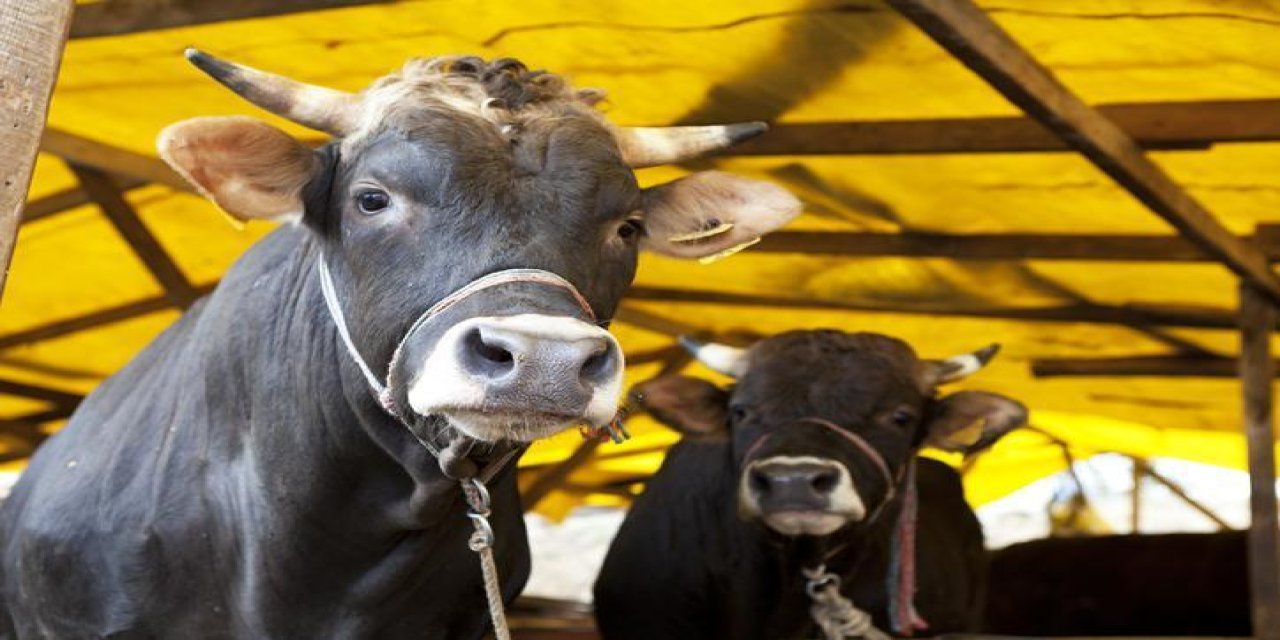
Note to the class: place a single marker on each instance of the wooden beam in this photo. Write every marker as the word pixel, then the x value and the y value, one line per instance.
pixel 32 35
pixel 1135 496
pixel 116 160
pixel 98 185
pixel 655 322
pixel 1139 366
pixel 69 198
pixel 1257 372
pixel 67 326
pixel 1168 125
pixel 1003 246
pixel 1145 468
pixel 1128 315
pixel 118 17
pixel 961 28
pixel 58 397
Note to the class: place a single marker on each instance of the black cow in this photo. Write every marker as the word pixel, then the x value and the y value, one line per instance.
pixel 461 242
pixel 803 467
pixel 1193 584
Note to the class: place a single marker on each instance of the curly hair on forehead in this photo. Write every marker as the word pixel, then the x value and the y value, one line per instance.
pixel 505 83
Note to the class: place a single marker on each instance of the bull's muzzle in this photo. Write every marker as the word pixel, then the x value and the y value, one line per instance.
pixel 520 377
pixel 799 495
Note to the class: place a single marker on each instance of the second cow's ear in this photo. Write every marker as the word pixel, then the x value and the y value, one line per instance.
pixel 252 170
pixel 970 421
pixel 711 213
pixel 692 406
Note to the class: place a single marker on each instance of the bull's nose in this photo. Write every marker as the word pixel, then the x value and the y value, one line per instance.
pixel 793 485
pixel 501 354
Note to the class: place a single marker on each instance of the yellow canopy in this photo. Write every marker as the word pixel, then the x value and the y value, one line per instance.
pixel 666 61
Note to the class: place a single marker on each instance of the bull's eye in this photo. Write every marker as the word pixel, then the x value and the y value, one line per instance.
pixel 737 413
pixel 372 200
pixel 631 229
pixel 902 417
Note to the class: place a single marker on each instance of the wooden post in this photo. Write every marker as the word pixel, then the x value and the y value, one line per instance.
pixel 32 34
pixel 1135 498
pixel 1257 316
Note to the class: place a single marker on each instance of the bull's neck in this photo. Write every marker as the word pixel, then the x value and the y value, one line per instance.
pixel 342 449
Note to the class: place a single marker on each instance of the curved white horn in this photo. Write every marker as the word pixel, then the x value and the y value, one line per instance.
pixel 653 146
pixel 329 110
pixel 731 361
pixel 961 366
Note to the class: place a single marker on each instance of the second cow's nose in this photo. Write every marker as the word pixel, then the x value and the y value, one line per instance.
pixel 793 485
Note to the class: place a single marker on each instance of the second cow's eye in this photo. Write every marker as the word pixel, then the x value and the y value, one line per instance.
pixel 372 200
pixel 902 417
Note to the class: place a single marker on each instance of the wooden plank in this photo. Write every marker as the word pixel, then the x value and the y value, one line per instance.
pixel 961 28
pixel 67 199
pixel 1257 372
pixel 654 322
pixel 1005 246
pixel 1143 467
pixel 1128 366
pixel 1169 125
pixel 98 185
pixel 32 35
pixel 101 318
pixel 36 392
pixel 118 17
pixel 1128 315
pixel 112 159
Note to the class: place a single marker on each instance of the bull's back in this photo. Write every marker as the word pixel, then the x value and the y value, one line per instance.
pixel 1169 584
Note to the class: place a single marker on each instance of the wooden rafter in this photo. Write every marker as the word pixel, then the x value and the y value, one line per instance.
pixel 1171 125
pixel 100 318
pixel 1004 246
pixel 974 39
pixel 101 190
pixel 1137 366
pixel 118 17
pixel 66 199
pixel 57 397
pixel 32 35
pixel 1128 315
pixel 1257 373
pixel 86 152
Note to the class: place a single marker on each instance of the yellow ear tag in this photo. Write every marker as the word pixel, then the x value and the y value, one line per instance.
pixel 715 257
pixel 701 234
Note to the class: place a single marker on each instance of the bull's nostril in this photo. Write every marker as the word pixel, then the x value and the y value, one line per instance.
pixel 825 481
pixel 759 482
pixel 487 358
pixel 597 365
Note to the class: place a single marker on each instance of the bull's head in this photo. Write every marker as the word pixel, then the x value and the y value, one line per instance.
pixel 823 422
pixel 455 168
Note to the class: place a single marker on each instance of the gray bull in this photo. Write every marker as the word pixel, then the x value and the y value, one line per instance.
pixel 264 469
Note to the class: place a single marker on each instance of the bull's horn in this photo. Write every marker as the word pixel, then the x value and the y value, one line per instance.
pixel 653 146
pixel 334 112
pixel 731 361
pixel 961 366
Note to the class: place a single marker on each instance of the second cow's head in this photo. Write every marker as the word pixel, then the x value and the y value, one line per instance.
pixel 455 168
pixel 823 423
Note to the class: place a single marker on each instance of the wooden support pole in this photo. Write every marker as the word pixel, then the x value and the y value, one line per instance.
pixel 961 28
pixel 79 150
pixel 32 34
pixel 66 199
pixel 1135 497
pixel 180 292
pixel 1257 371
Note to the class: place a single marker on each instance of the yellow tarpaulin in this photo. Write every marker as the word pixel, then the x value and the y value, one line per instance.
pixel 662 62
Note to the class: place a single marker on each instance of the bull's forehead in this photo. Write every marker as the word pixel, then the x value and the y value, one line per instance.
pixel 830 371
pixel 503 93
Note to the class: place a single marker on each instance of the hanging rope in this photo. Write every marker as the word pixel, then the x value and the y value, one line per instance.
pixel 835 614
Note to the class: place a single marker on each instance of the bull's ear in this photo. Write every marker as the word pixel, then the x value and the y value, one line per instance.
pixel 712 214
pixel 970 421
pixel 252 170
pixel 694 407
